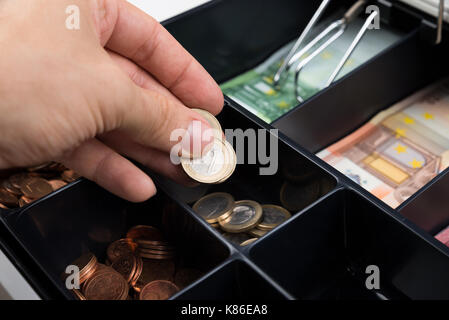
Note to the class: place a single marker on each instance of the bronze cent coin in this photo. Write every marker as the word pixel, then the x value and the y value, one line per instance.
pixel 158 290
pixel 119 248
pixel 107 285
pixel 126 265
pixel 36 188
pixel 8 199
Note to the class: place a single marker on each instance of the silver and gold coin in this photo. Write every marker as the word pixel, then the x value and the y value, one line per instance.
pixel 215 166
pixel 245 215
pixel 237 238
pixel 248 242
pixel 214 207
pixel 213 122
pixel 257 232
pixel 272 216
pixel 219 160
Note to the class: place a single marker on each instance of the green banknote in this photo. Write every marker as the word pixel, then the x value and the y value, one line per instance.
pixel 254 89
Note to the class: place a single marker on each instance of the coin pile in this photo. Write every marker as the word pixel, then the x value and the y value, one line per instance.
pixel 218 163
pixel 151 243
pixel 242 222
pixel 141 266
pixel 21 188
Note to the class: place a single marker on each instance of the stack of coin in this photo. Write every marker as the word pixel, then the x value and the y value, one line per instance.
pixel 21 188
pixel 87 264
pixel 215 207
pixel 219 161
pixel 150 276
pixel 98 281
pixel 105 284
pixel 272 216
pixel 242 222
pixel 151 243
pixel 129 266
pixel 158 290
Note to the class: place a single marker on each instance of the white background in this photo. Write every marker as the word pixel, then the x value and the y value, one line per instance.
pixel 164 9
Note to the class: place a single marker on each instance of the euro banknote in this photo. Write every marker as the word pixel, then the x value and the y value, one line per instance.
pixel 399 150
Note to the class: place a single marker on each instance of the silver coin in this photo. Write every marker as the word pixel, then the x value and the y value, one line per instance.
pixel 272 215
pixel 214 206
pixel 242 214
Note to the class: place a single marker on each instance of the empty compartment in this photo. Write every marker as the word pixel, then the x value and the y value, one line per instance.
pixel 429 208
pixel 236 280
pixel 268 170
pixel 86 218
pixel 324 254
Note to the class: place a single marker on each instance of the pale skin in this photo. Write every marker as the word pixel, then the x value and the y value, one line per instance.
pixel 94 97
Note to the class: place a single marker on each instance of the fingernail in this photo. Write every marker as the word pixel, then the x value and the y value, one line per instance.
pixel 197 139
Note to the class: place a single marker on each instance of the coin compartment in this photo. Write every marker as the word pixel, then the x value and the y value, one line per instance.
pixel 324 254
pixel 86 218
pixel 247 183
pixel 235 280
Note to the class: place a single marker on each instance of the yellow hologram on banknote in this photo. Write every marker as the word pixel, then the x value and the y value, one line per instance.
pixel 399 150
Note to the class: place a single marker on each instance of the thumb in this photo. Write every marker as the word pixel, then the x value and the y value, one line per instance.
pixel 157 121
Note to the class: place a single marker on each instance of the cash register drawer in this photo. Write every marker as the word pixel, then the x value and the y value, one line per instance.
pixel 326 248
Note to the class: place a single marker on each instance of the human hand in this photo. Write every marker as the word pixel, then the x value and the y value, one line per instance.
pixel 116 87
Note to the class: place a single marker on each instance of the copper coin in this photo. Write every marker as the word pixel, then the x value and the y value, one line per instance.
pixel 146 234
pixel 155 270
pixel 126 265
pixel 79 295
pixel 158 290
pixel 3 206
pixel 156 252
pixel 160 247
pixel 139 269
pixel 36 188
pixel 106 286
pixel 69 176
pixel 8 199
pixel 156 256
pixel 19 180
pixel 86 264
pixel 23 201
pixel 119 248
pixel 57 184
pixel 6 184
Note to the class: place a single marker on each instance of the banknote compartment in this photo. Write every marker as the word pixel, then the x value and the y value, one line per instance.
pixel 324 254
pixel 242 34
pixel 352 101
pixel 86 218
pixel 236 280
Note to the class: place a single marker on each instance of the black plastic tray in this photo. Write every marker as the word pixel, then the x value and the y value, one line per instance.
pixel 323 251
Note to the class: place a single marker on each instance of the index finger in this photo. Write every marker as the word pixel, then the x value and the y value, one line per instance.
pixel 139 37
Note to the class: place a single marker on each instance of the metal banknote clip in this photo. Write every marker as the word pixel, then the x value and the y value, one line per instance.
pixel 285 64
pixel 440 22
pixel 335 29
pixel 329 35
